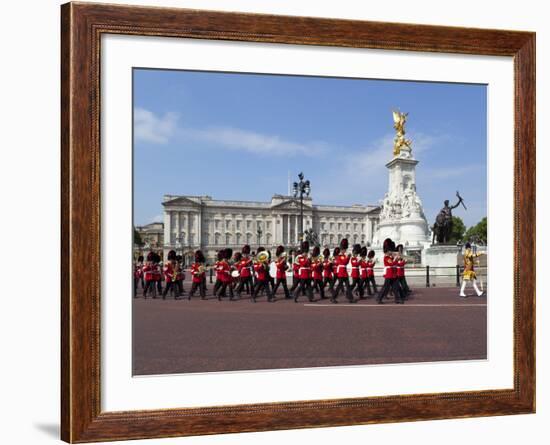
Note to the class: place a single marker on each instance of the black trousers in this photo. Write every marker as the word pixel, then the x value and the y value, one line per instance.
pixel 281 282
pixel 176 286
pixel 404 285
pixel 222 290
pixel 262 285
pixel 295 282
pixel 304 288
pixel 217 285
pixel 320 287
pixel 244 282
pixel 370 281
pixel 150 286
pixel 341 284
pixel 330 282
pixel 200 286
pixel 361 287
pixel 393 285
pixel 355 284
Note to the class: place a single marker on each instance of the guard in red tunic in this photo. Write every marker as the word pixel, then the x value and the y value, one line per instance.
pixel 342 280
pixel 245 272
pixel 362 272
pixel 150 275
pixel 218 269
pixel 317 271
pixel 400 264
pixel 158 273
pixel 295 267
pixel 281 267
pixel 198 272
pixel 390 278
pixel 371 261
pixel 180 274
pixel 304 273
pixel 171 276
pixel 328 274
pixel 261 269
pixel 355 262
pixel 223 271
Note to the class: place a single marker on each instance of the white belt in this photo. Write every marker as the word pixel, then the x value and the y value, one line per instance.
pixel 340 266
pixel 303 268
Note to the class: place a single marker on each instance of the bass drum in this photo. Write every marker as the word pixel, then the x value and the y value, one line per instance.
pixel 273 270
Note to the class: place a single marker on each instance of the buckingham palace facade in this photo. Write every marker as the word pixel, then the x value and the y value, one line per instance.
pixel 200 222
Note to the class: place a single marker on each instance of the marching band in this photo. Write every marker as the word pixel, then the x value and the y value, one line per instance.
pixel 256 274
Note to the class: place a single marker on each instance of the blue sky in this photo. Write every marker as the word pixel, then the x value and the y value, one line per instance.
pixel 237 136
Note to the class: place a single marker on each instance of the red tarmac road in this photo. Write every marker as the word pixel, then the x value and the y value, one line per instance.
pixel 207 335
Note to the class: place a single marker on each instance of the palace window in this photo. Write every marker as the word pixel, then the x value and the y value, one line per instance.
pixel 238 224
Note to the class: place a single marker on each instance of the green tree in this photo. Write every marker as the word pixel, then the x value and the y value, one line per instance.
pixel 458 230
pixel 137 238
pixel 477 233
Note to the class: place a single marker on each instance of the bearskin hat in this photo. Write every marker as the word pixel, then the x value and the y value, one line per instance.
pixel 356 249
pixel 388 246
pixel 246 249
pixel 316 251
pixel 399 248
pixel 468 246
pixel 364 251
pixel 304 246
pixel 140 258
pixel 336 251
pixel 298 251
pixel 220 255
pixel 151 256
pixel 260 249
pixel 326 252
pixel 157 258
pixel 179 258
pixel 371 254
pixel 344 244
pixel 228 253
pixel 171 255
pixel 199 256
pixel 238 256
pixel 279 251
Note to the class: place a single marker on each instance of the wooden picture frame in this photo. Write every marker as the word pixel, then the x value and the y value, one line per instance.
pixel 82 26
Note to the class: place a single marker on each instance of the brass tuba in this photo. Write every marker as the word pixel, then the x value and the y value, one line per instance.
pixel 263 257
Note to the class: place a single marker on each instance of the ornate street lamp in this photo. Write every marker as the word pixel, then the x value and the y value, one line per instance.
pixel 300 189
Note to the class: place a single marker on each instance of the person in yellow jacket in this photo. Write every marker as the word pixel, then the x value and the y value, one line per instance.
pixel 469 275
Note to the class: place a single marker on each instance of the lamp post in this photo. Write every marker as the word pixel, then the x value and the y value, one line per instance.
pixel 259 232
pixel 300 189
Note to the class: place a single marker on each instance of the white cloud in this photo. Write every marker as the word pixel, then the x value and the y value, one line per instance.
pixel 257 143
pixel 151 128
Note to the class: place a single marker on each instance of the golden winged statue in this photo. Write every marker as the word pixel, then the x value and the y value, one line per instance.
pixel 399 142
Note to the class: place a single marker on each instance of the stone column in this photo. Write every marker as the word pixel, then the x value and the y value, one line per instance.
pixel 198 228
pixel 167 228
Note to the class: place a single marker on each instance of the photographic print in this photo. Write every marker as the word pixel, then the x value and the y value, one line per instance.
pixel 296 221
